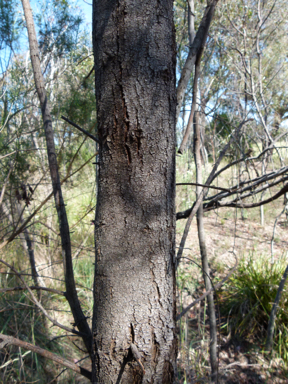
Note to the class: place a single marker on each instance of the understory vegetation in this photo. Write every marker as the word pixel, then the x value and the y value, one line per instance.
pixel 241 99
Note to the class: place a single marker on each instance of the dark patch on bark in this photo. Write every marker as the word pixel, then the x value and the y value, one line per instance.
pixel 168 373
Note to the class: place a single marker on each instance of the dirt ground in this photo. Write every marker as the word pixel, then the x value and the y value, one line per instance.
pixel 228 236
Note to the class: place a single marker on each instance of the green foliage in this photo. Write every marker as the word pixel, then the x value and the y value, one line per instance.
pixel 76 96
pixel 58 33
pixel 8 27
pixel 247 299
pixel 223 125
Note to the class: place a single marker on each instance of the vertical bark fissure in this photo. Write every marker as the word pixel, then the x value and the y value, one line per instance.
pixel 71 294
pixel 134 49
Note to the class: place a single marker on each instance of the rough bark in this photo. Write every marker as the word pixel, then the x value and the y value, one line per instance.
pixel 134 292
pixel 71 294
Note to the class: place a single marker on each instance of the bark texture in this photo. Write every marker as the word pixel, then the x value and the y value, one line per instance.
pixel 134 292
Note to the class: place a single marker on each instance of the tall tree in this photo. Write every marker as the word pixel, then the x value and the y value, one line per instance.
pixel 134 292
pixel 71 294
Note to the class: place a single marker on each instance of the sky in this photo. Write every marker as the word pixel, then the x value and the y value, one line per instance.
pixel 84 5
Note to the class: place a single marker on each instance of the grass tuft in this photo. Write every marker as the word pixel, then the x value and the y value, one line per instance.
pixel 247 300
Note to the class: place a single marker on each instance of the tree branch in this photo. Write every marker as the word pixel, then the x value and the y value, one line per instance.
pixel 198 44
pixel 205 185
pixel 253 205
pixel 9 340
pixel 80 129
pixel 61 293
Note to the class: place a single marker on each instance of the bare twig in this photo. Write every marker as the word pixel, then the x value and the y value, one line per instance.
pixel 89 74
pixel 204 185
pixel 8 154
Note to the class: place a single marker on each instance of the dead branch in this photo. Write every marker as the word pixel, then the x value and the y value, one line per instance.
pixel 6 181
pixel 252 205
pixel 9 340
pixel 215 201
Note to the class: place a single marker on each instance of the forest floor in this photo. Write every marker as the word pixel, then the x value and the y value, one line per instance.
pixel 227 236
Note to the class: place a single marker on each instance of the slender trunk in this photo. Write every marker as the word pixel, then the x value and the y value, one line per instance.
pixel 191 25
pixel 30 250
pixel 195 50
pixel 134 292
pixel 263 168
pixel 26 242
pixel 204 256
pixel 71 294
pixel 272 318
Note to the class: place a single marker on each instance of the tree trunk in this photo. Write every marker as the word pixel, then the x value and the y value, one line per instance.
pixel 71 294
pixel 134 293
pixel 204 255
pixel 27 243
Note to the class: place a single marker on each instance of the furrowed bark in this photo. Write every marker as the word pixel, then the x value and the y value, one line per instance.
pixel 134 293
pixel 71 294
